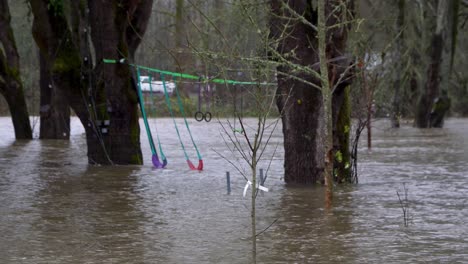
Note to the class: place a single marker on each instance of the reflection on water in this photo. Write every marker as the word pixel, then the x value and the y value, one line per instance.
pixel 54 208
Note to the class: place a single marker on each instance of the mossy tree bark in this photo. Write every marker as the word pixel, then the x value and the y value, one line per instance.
pixel 299 94
pixel 54 106
pixel 341 144
pixel 103 96
pixel 11 86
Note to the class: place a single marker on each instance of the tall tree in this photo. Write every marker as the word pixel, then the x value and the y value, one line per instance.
pixel 396 101
pixel 11 86
pixel 103 96
pixel 307 115
pixel 432 87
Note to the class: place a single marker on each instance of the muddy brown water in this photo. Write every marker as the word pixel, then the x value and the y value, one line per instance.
pixel 54 208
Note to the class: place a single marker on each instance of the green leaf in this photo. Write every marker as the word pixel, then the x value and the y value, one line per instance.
pixel 339 156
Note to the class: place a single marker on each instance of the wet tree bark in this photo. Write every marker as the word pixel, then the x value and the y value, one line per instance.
pixel 341 132
pixel 431 91
pixel 299 102
pixel 11 86
pixel 103 96
pixel 54 106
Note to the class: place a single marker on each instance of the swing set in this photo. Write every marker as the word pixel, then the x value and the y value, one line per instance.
pixel 155 158
pixel 199 115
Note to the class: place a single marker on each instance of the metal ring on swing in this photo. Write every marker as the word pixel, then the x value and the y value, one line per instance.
pixel 199 116
pixel 207 116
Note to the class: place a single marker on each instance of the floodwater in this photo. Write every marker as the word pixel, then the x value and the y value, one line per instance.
pixel 54 208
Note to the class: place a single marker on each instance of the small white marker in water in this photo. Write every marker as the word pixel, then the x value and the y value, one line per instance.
pixel 261 188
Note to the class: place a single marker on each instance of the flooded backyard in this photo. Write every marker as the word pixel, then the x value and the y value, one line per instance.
pixel 55 208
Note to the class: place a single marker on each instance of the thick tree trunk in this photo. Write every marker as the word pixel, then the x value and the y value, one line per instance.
pixel 54 106
pixel 116 100
pixel 300 103
pixel 427 99
pixel 301 111
pixel 103 96
pixel 11 86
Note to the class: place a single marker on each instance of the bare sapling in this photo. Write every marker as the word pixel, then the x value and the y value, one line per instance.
pixel 404 204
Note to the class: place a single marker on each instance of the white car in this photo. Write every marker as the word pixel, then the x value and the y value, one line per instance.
pixel 156 86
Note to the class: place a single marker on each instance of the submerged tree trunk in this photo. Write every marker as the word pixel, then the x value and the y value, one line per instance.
pixel 103 96
pixel 54 106
pixel 11 86
pixel 427 99
pixel 341 144
pixel 301 104
pixel 13 93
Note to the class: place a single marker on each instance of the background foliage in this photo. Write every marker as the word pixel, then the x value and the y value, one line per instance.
pixel 217 41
